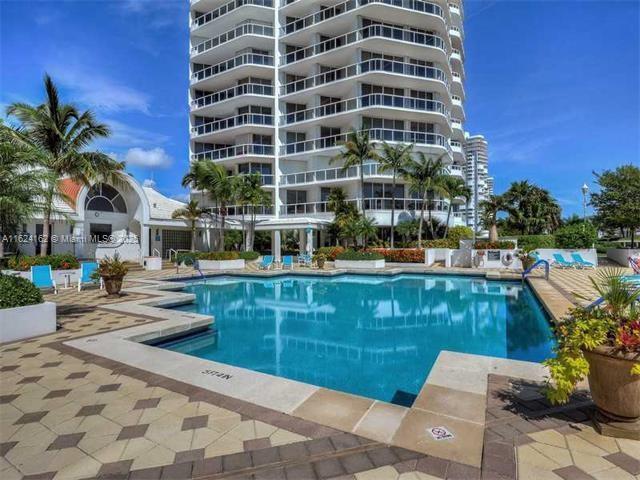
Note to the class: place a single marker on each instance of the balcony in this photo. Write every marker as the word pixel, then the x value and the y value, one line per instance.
pixel 231 41
pixel 384 32
pixel 338 12
pixel 204 24
pixel 370 204
pixel 239 210
pixel 419 139
pixel 372 66
pixel 256 122
pixel 204 105
pixel 235 151
pixel 379 100
pixel 206 78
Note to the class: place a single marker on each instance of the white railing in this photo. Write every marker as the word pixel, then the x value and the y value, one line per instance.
pixel 235 62
pixel 239 31
pixel 229 93
pixel 370 204
pixel 349 5
pixel 231 122
pixel 371 31
pixel 364 101
pixel 234 151
pixel 366 66
pixel 237 210
pixel 226 8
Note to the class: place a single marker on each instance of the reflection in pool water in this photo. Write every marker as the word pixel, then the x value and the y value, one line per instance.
pixel 368 335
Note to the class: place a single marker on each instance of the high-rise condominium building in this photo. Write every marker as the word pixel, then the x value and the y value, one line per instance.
pixel 277 85
pixel 477 176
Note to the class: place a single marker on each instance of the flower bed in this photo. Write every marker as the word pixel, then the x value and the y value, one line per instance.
pixel 499 245
pixel 58 262
pixel 404 255
pixel 330 252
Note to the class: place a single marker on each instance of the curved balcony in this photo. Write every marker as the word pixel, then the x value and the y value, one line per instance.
pixel 206 75
pixel 376 65
pixel 370 204
pixel 379 100
pixel 241 37
pixel 253 120
pixel 332 175
pixel 228 153
pixel 239 210
pixel 419 139
pixel 404 35
pixel 204 105
pixel 204 23
pixel 338 11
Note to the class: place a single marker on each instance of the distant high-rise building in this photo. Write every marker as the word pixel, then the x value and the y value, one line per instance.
pixel 477 176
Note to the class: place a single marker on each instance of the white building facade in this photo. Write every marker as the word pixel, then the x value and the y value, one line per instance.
pixel 276 86
pixel 476 173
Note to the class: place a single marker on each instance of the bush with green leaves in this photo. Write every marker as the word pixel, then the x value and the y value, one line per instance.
pixel 441 243
pixel 218 256
pixel 353 255
pixel 18 292
pixel 579 235
pixel 460 232
pixel 63 261
pixel 499 245
pixel 532 242
pixel 186 258
pixel 249 256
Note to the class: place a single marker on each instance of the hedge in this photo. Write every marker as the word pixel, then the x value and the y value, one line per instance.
pixel 404 255
pixel 330 252
pixel 353 255
pixel 64 261
pixel 579 235
pixel 531 242
pixel 499 245
pixel 442 243
pixel 18 292
pixel 249 256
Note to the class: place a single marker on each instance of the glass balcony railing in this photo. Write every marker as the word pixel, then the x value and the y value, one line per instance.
pixel 375 134
pixel 370 204
pixel 239 210
pixel 231 122
pixel 371 31
pixel 239 31
pixel 226 8
pixel 234 151
pixel 229 93
pixel 349 5
pixel 366 66
pixel 364 101
pixel 238 61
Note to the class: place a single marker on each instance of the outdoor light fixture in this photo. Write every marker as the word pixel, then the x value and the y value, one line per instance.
pixel 585 190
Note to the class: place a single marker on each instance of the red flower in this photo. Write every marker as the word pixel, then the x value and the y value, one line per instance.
pixel 628 337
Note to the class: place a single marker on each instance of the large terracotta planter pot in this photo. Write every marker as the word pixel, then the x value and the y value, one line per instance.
pixel 616 393
pixel 112 285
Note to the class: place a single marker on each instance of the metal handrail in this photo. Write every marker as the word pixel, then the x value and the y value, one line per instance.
pixel 536 265
pixel 375 203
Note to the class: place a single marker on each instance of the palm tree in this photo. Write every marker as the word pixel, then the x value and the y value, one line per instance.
pixel 490 209
pixel 425 178
pixel 250 193
pixel 454 188
pixel 366 228
pixel 358 149
pixel 192 213
pixel 57 135
pixel 394 159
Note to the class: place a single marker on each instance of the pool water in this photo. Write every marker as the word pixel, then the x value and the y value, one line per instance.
pixel 374 336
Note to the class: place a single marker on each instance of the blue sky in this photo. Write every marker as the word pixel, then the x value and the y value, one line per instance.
pixel 553 85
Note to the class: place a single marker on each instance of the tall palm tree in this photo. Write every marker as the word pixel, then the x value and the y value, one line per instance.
pixel 366 228
pixel 394 159
pixel 454 188
pixel 358 149
pixel 57 134
pixel 425 178
pixel 250 193
pixel 490 209
pixel 192 213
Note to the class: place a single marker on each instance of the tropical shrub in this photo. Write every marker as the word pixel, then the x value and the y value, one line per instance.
pixel 249 256
pixel 442 243
pixel 111 267
pixel 499 245
pixel 532 242
pixel 582 235
pixel 614 324
pixel 64 261
pixel 18 292
pixel 186 258
pixel 602 247
pixel 458 233
pixel 330 252
pixel 358 256
pixel 404 255
pixel 218 256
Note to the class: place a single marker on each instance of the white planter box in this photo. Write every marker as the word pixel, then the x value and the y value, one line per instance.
pixel 359 263
pixel 24 322
pixel 221 264
pixel 63 278
pixel 621 255
pixel 152 263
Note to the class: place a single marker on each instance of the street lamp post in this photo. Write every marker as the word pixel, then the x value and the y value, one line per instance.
pixel 585 190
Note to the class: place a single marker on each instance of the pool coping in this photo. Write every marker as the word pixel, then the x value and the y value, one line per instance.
pixel 453 395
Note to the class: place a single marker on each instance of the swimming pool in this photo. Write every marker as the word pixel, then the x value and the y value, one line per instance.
pixel 376 336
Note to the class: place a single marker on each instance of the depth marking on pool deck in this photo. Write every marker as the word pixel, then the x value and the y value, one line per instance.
pixel 215 373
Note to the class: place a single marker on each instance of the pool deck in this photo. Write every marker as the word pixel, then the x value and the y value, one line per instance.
pixel 90 399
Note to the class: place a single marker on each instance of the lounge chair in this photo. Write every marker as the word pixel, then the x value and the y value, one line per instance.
pixel 561 262
pixel 634 263
pixel 42 277
pixel 287 262
pixel 304 259
pixel 267 262
pixel 581 261
pixel 86 270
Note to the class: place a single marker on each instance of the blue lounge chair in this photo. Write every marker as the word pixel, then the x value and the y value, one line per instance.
pixel 581 261
pixel 287 262
pixel 560 261
pixel 86 270
pixel 267 262
pixel 42 277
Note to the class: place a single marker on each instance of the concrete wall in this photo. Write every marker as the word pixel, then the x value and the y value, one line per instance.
pixel 621 255
pixel 588 254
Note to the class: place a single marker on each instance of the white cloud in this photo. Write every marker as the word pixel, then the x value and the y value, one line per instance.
pixel 125 136
pixel 152 158
pixel 149 182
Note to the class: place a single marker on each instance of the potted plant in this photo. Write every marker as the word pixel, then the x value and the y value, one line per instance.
pixel 603 344
pixel 112 272
pixel 320 260
pixel 524 255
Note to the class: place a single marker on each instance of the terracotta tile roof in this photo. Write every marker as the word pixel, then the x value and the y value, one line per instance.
pixel 71 189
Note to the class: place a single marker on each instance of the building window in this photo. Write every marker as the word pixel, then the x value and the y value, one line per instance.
pixel 104 198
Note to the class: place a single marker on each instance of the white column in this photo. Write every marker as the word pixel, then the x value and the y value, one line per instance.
pixel 309 232
pixel 302 240
pixel 144 242
pixel 275 245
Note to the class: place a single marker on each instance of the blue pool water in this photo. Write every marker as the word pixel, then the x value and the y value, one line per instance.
pixel 368 335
